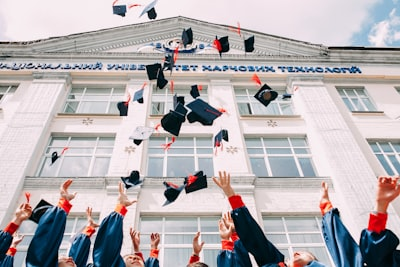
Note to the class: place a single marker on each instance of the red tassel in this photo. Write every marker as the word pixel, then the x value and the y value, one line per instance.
pixel 114 2
pixel 28 197
pixel 256 79
pixel 172 87
pixel 63 150
pixel 217 45
pixel 191 179
pixel 176 51
pixel 166 146
pixel 134 5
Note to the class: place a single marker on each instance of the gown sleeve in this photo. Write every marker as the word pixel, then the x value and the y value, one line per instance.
pixel 80 247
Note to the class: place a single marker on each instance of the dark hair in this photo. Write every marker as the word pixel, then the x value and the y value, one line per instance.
pixel 197 264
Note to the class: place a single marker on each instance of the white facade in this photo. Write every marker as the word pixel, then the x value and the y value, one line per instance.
pixel 339 140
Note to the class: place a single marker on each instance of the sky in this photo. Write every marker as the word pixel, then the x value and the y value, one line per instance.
pixel 368 23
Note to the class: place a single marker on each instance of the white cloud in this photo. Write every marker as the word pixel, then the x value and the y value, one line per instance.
pixel 385 32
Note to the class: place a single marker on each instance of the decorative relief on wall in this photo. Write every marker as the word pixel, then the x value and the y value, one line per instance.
pixel 129 149
pixel 87 121
pixel 232 149
pixel 272 123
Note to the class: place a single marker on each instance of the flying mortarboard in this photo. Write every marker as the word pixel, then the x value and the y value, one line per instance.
pixel 187 37
pixel 265 95
pixel 222 135
pixel 55 156
pixel 249 44
pixel 173 120
pixel 161 81
pixel 132 180
pixel 39 210
pixel 194 92
pixel 138 96
pixel 123 108
pixel 119 10
pixel 195 182
pixel 221 44
pixel 153 70
pixel 202 112
pixel 172 192
pixel 150 10
pixel 141 133
pixel 178 99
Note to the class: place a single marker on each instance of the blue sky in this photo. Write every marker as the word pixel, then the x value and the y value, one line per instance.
pixel 369 23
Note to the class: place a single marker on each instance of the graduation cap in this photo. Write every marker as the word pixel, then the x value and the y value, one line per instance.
pixel 168 62
pixel 249 44
pixel 172 192
pixel 187 37
pixel 202 112
pixel 178 99
pixel 39 210
pixel 138 96
pixel 132 180
pixel 265 95
pixel 123 108
pixel 194 92
pixel 55 156
pixel 222 135
pixel 161 81
pixel 119 10
pixel 173 120
pixel 141 133
pixel 286 96
pixel 221 44
pixel 150 10
pixel 153 70
pixel 195 182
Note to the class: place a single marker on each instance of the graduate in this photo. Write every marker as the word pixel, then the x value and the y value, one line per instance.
pixel 252 236
pixel 136 259
pixel 43 248
pixel 343 248
pixel 194 260
pixel 378 244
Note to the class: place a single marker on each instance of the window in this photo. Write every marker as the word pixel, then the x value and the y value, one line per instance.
pixel 162 99
pixel 6 92
pixel 177 234
pixel 94 100
pixel 294 233
pixel 74 225
pixel 356 99
pixel 249 105
pixel 84 156
pixel 280 157
pixel 388 153
pixel 185 156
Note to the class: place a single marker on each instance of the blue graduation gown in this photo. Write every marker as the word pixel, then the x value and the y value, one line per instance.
pixel 8 261
pixel 152 262
pixel 5 242
pixel 79 250
pixel 379 250
pixel 238 257
pixel 343 248
pixel 43 249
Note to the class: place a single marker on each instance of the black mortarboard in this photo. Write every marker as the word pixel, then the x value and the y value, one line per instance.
pixel 141 133
pixel 202 112
pixel 195 182
pixel 222 135
pixel 168 62
pixel 178 99
pixel 123 108
pixel 222 44
pixel 187 37
pixel 150 10
pixel 265 95
pixel 286 96
pixel 172 192
pixel 161 81
pixel 132 180
pixel 39 210
pixel 119 10
pixel 138 96
pixel 153 70
pixel 55 156
pixel 249 44
pixel 173 120
pixel 194 92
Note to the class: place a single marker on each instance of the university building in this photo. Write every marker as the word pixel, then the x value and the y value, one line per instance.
pixel 336 119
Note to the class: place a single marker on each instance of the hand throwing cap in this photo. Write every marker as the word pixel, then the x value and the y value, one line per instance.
pixel 202 112
pixel 172 192
pixel 265 95
pixel 39 210
pixel 195 182
pixel 132 180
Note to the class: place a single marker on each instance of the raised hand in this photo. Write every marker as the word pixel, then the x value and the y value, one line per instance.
pixel 135 237
pixel 224 182
pixel 225 232
pixel 64 190
pixel 90 219
pixel 387 191
pixel 197 247
pixel 324 193
pixel 123 198
pixel 155 240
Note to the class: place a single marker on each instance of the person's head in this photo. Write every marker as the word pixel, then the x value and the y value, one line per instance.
pixel 197 264
pixel 133 260
pixel 65 261
pixel 302 258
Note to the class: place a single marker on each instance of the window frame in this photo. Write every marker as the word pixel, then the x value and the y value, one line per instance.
pixel 362 99
pixel 8 93
pixel 388 166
